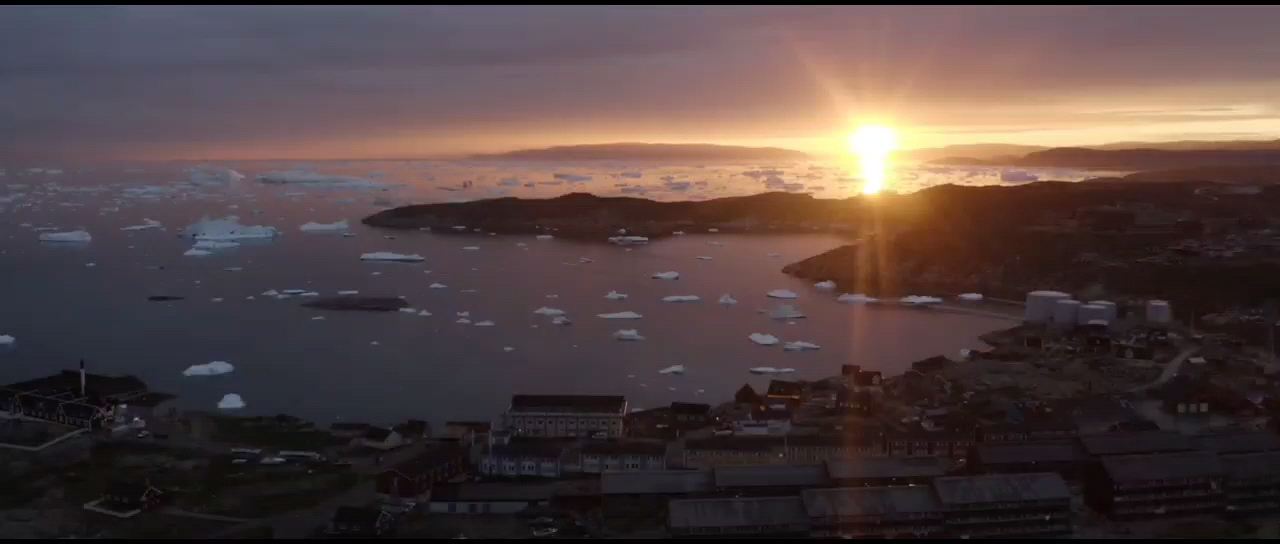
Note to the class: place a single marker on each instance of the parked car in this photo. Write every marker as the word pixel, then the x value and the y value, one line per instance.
pixel 545 531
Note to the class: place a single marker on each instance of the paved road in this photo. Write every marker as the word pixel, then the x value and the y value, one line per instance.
pixel 1170 370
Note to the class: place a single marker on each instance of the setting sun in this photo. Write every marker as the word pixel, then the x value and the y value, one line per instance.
pixel 873 144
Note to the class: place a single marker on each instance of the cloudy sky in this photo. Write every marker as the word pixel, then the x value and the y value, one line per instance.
pixel 352 82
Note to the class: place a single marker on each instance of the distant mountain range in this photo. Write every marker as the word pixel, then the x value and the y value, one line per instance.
pixel 1118 155
pixel 649 152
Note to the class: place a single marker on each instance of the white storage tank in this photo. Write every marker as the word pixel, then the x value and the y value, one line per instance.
pixel 1091 312
pixel 1111 309
pixel 1158 311
pixel 1040 305
pixel 1064 312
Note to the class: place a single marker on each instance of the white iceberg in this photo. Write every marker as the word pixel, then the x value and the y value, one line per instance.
pixel 74 236
pixel 672 275
pixel 6 340
pixel 197 252
pixel 389 256
pixel 214 244
pixel 856 298
pixel 349 292
pixel 228 228
pixel 544 237
pixel 485 323
pixel 628 240
pixel 311 179
pixel 916 300
pixel 727 299
pixel 424 313
pixel 337 226
pixel 438 286
pixel 627 334
pixel 463 320
pixel 548 311
pixel 786 311
pixel 560 320
pixel 763 339
pixel 781 293
pixel 212 368
pixel 408 310
pixel 800 345
pixel 231 401
pixel 213 175
pixel 677 233
pixel 471 248
pixel 770 370
pixel 681 298
pixel 673 369
pixel 146 224
pixel 614 295
pixel 620 315
pixel 773 255
pixel 703 258
pixel 970 297
pixel 827 285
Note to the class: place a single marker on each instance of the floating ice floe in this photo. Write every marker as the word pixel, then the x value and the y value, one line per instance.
pixel 424 313
pixel 485 323
pixel 544 236
pixel 231 401
pixel 614 295
pixel 349 292
pixel 673 369
pixel 214 244
pixel 620 315
pixel 233 268
pixel 560 320
pixel 90 265
pixel 628 240
pixel 389 256
pixel 212 368
pixel 781 293
pixel 971 297
pixel 548 311
pixel 318 318
pixel 672 275
pixel 215 299
pixel 438 286
pixel 916 300
pixel 786 311
pixel 508 348
pixel 770 370
pixel 627 334
pixel 677 233
pixel 713 229
pixel 408 310
pixel 703 258
pixel 800 345
pixel 337 226
pixel 146 224
pixel 312 179
pixel 856 298
pixel 463 321
pixel 212 175
pixel 774 255
pixel 74 236
pixel 825 285
pixel 471 248
pixel 763 339
pixel 7 340
pixel 229 228
pixel 681 298
pixel 193 252
pixel 727 299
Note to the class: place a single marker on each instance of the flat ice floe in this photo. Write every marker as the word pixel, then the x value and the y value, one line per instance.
pixel 727 299
pixel 485 323
pixel 856 298
pixel 560 320
pixel 306 178
pixel 770 370
pixel 7 340
pixel 438 286
pixel 212 368
pixel 671 275
pixel 549 311
pixel 620 315
pixel 781 293
pixel 971 297
pixel 349 292
pixel 673 369
pixel 231 401
pixel 74 236
pixel 212 175
pixel 471 248
pixel 614 295
pixel 193 252
pixel 389 256
pixel 681 298
pixel 229 228
pixel 703 258
pixel 337 226
pixel 146 224
pixel 825 285
pixel 544 236
pixel 800 345
pixel 628 240
pixel 916 300
pixel 627 334
pixel 763 339
pixel 786 311
pixel 214 244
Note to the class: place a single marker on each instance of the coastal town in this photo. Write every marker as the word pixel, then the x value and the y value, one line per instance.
pixel 1089 418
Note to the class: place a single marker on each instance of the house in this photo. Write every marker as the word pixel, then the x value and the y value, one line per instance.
pixel 411 480
pixel 1065 457
pixel 1156 485
pixel 855 402
pixel 612 456
pixel 769 480
pixel 873 512
pixel 1129 443
pixel 688 416
pixel 1005 505
pixel 490 497
pixel 125 500
pixel 349 430
pixel 379 438
pixel 1184 396
pixel 747 395
pixel 413 430
pixel 733 450
pixel 1251 483
pixel 868 471
pixel 75 398
pixel 351 521
pixel 850 370
pixel 785 391
pixel 566 415
pixel 738 516
pixel 532 457
pixel 818 448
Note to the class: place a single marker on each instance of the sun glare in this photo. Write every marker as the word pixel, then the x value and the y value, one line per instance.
pixel 873 144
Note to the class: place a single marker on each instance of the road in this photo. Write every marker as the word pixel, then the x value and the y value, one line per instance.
pixel 1170 370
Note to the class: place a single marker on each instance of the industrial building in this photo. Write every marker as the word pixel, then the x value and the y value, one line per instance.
pixel 1156 485
pixel 874 512
pixel 566 415
pixel 1005 505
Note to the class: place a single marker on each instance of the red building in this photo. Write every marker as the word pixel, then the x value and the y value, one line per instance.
pixel 411 480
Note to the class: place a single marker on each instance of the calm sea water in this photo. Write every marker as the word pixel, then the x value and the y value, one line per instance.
pixel 61 310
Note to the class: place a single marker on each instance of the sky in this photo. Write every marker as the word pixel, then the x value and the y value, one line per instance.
pixel 243 82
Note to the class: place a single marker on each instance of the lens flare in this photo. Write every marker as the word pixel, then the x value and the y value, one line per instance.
pixel 873 144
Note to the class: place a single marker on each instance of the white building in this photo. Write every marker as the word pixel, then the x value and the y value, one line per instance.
pixel 566 415
pixel 598 457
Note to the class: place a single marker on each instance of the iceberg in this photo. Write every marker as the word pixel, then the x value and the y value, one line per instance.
pixel 800 345
pixel 673 369
pixel 917 300
pixel 548 311
pixel 727 299
pixel 233 268
pixel 231 401
pixel 349 292
pixel 677 233
pixel 213 175
pixel 408 310
pixel 228 228
pixel 213 368
pixel 781 293
pixel 438 286
pixel 146 224
pixel 970 297
pixel 424 313
pixel 485 323
pixel 471 248
pixel 543 237
pixel 75 236
pixel 614 295
pixel 703 258
pixel 560 320
pixel 311 179
pixel 7 340
pixel 773 255
pixel 770 370
pixel 786 311
pixel 389 256
pixel 627 334
pixel 825 285
pixel 713 229
pixel 856 298
pixel 672 275
pixel 318 318
pixel 463 320
pixel 197 252
pixel 681 298
pixel 336 226
pixel 214 244
pixel 763 339
pixel 620 315
pixel 628 240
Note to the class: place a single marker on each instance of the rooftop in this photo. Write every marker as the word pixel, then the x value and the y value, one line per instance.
pixel 1136 442
pixel 869 501
pixel 1038 486
pixel 736 512
pixel 690 408
pixel 96 385
pixel 530 447
pixel 1252 466
pixel 771 476
pixel 734 443
pixel 780 388
pixel 494 491
pixel 1031 452
pixel 656 482
pixel 1162 466
pixel 569 403
pixel 614 447
pixel 886 467
pixel 1241 441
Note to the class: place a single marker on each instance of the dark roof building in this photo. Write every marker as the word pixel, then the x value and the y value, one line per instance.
pixel 756 516
pixel 780 479
pixel 1129 443
pixel 1159 484
pixel 1005 505
pixel 1252 483
pixel 746 395
pixel 660 482
pixel 1237 441
pixel 874 512
pixel 1065 457
pixel 779 389
pixel 883 471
